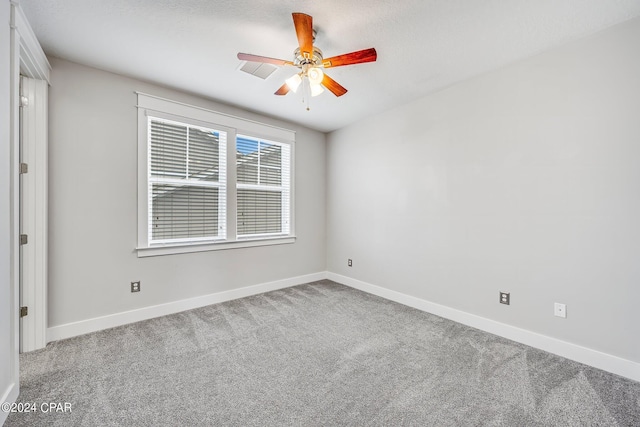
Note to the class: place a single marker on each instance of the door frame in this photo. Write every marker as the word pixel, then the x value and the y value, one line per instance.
pixel 28 58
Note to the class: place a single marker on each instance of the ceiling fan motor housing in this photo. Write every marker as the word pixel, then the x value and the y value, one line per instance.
pixel 314 61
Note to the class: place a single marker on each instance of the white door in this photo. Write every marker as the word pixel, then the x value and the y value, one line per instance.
pixel 33 213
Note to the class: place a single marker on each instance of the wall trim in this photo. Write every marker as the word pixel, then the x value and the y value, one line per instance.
pixel 594 358
pixel 82 327
pixel 33 61
pixel 10 395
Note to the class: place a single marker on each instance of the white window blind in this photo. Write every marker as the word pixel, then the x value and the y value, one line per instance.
pixel 187 178
pixel 263 187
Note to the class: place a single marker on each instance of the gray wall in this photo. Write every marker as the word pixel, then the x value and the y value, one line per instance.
pixel 93 217
pixel 6 334
pixel 524 179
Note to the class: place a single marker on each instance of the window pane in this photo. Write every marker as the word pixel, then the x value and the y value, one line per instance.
pixel 246 146
pixel 269 176
pixel 270 155
pixel 168 149
pixel 180 212
pixel 258 162
pixel 204 155
pixel 259 212
pixel 270 164
pixel 247 173
pixel 247 160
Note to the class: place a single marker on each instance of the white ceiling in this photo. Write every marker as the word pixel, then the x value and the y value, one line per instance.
pixel 423 45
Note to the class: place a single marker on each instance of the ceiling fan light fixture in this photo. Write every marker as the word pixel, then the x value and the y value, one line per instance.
pixel 315 75
pixel 293 82
pixel 316 89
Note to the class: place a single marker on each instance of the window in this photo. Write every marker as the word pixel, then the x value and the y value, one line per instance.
pixel 186 182
pixel 194 194
pixel 263 187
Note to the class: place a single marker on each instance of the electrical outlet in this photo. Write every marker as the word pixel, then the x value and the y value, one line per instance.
pixel 135 286
pixel 505 298
pixel 560 310
pixel 350 263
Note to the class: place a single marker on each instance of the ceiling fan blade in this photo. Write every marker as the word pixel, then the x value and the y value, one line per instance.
pixel 266 59
pixel 304 31
pixel 284 89
pixel 333 86
pixel 366 55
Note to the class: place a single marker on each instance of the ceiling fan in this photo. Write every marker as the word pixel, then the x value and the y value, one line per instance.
pixel 309 60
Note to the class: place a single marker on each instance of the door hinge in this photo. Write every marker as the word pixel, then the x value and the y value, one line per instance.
pixel 24 101
pixel 24 168
pixel 24 311
pixel 24 239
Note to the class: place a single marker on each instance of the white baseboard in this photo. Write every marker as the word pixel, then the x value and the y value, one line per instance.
pixel 10 395
pixel 597 359
pixel 82 327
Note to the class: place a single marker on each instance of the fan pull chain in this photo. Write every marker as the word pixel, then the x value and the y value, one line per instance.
pixel 306 92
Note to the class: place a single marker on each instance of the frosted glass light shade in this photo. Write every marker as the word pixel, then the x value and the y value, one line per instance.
pixel 316 89
pixel 293 82
pixel 315 76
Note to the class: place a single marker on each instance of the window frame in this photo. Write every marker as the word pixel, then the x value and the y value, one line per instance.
pixel 165 109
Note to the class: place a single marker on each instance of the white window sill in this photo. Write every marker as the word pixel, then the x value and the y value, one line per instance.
pixel 170 249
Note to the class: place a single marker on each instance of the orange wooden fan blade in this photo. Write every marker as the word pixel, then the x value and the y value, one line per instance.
pixel 284 89
pixel 366 55
pixel 333 86
pixel 257 58
pixel 304 31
